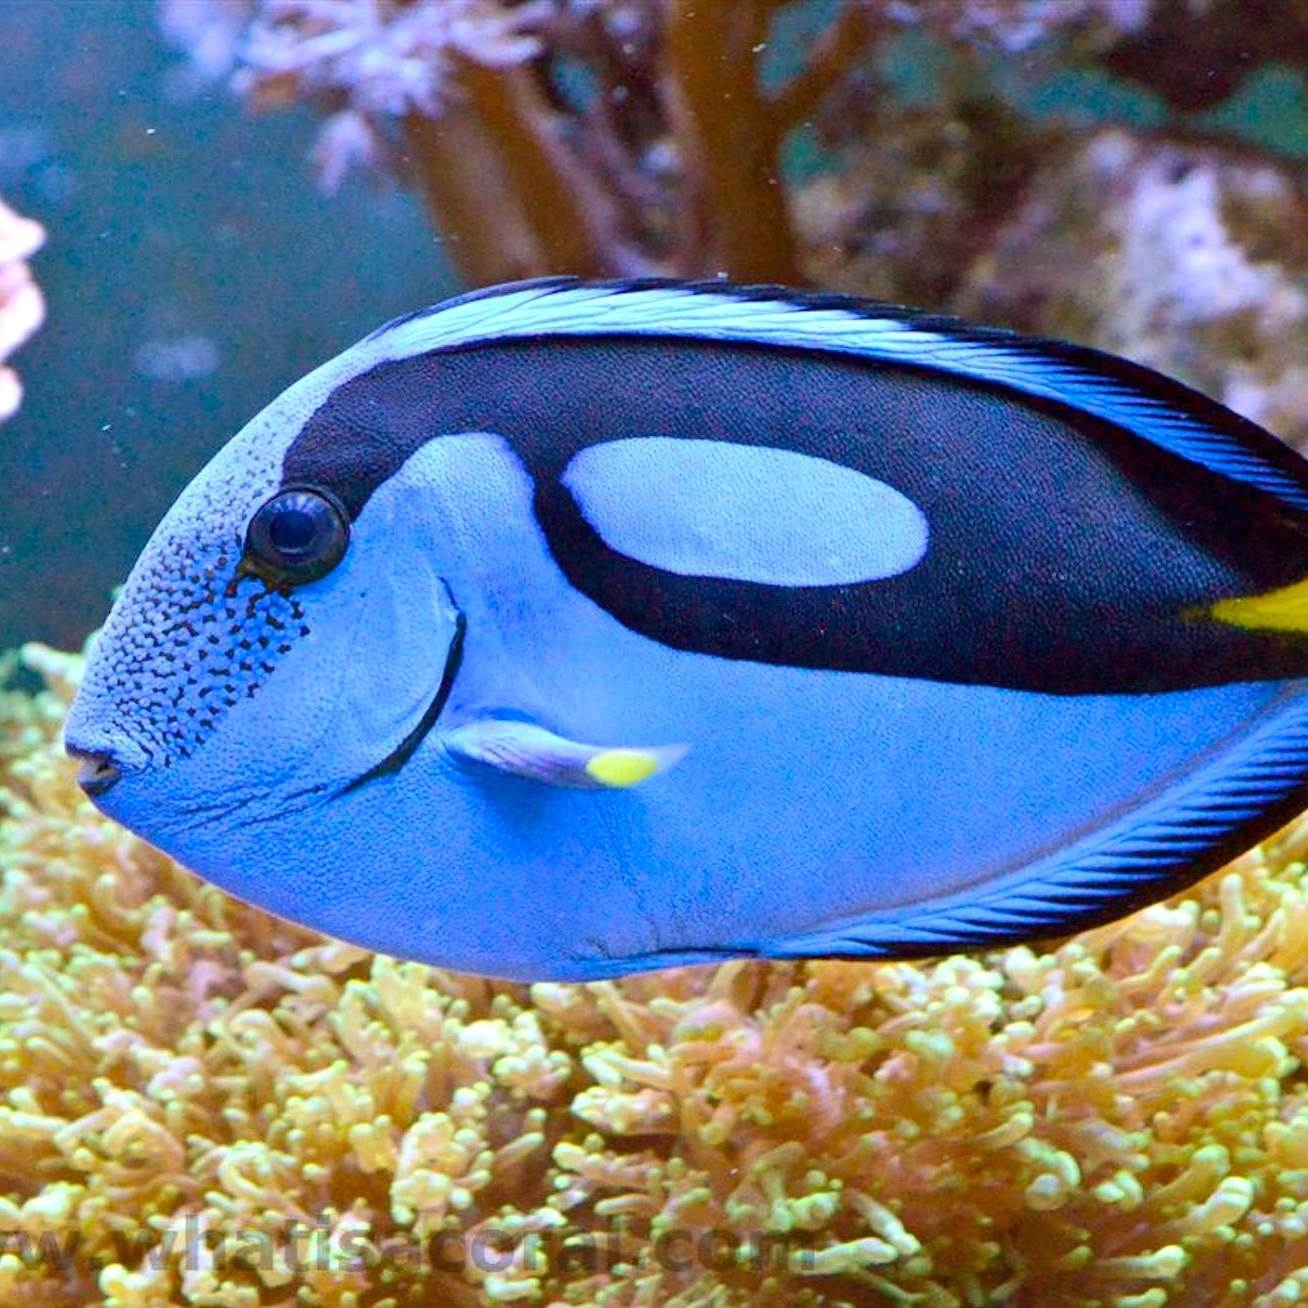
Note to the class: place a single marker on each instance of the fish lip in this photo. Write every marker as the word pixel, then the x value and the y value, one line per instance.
pixel 100 771
pixel 105 758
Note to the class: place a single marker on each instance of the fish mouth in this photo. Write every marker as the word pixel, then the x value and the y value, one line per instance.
pixel 99 773
pixel 405 750
pixel 106 755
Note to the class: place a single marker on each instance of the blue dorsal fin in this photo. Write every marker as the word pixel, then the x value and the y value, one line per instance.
pixel 1129 396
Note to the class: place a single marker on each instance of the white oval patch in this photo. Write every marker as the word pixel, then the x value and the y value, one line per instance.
pixel 703 508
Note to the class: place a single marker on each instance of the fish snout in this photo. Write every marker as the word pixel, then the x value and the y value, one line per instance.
pixel 99 773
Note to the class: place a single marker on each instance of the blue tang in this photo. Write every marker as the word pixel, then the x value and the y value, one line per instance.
pixel 567 629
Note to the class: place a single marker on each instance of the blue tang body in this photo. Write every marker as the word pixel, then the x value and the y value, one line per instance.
pixel 567 629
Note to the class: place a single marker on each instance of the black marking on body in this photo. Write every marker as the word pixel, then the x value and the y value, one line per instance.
pixel 1165 390
pixel 1064 551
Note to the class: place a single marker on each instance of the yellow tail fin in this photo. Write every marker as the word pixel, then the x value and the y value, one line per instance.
pixel 1276 610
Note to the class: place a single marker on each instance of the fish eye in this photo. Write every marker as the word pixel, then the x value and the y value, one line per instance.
pixel 299 535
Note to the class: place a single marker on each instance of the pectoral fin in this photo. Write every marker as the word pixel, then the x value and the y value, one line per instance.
pixel 526 750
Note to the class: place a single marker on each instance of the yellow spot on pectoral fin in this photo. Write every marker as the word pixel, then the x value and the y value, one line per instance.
pixel 527 750
pixel 1276 610
pixel 622 768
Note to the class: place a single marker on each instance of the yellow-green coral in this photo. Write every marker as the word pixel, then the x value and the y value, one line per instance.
pixel 202 1105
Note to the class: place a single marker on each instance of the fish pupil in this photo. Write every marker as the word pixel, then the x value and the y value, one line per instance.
pixel 297 536
pixel 292 531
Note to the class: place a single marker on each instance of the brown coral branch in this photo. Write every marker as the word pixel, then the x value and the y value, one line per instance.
pixel 734 218
pixel 849 34
pixel 505 189
pixel 612 128
pixel 1195 60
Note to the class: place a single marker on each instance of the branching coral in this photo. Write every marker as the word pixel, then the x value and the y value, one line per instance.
pixel 22 308
pixel 386 58
pixel 587 136
pixel 204 1106
pixel 606 137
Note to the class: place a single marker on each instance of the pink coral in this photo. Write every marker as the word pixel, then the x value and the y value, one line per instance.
pixel 383 57
pixel 22 307
pixel 368 60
